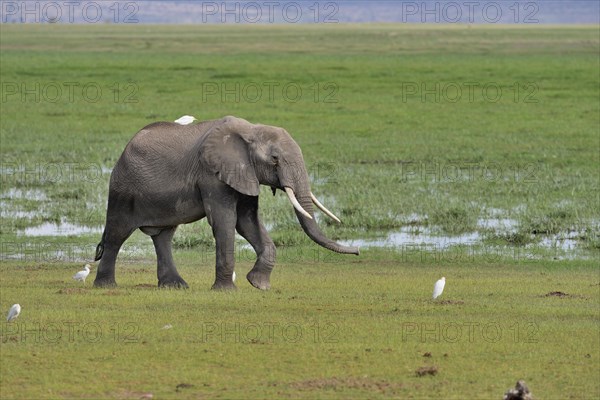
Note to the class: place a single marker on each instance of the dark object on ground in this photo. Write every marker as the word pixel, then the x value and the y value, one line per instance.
pixel 520 392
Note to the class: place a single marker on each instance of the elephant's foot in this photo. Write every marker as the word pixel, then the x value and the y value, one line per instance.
pixel 224 285
pixel 259 279
pixel 105 282
pixel 175 282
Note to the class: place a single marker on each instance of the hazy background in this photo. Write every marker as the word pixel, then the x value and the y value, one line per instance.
pixel 296 12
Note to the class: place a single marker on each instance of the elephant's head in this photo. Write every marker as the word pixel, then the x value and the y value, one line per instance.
pixel 245 155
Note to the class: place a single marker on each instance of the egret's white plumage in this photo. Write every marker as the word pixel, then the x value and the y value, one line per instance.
pixel 81 275
pixel 185 120
pixel 233 276
pixel 438 288
pixel 13 313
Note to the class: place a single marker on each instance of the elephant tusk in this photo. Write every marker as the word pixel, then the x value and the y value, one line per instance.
pixel 295 203
pixel 324 209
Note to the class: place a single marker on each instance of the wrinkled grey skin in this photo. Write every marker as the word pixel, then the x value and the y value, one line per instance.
pixel 171 174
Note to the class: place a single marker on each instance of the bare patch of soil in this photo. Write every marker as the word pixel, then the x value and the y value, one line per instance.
pixel 183 386
pixel 137 270
pixel 146 285
pixel 335 383
pixel 129 394
pixel 450 302
pixel 71 291
pixel 563 295
pixel 33 267
pixel 427 370
pixel 556 294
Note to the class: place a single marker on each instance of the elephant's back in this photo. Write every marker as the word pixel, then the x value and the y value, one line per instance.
pixel 160 153
pixel 159 138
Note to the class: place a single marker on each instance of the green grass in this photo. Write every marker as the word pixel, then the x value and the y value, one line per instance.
pixel 380 158
pixel 375 152
pixel 330 328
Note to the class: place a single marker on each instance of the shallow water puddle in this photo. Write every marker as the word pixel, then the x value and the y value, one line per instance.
pixel 61 229
pixel 411 236
pixel 565 244
pixel 426 239
pixel 4 213
pixel 30 194
pixel 498 224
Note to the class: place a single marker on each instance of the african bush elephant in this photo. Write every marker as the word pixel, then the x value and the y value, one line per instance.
pixel 171 174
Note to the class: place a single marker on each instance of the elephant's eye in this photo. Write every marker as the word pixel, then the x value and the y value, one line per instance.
pixel 275 159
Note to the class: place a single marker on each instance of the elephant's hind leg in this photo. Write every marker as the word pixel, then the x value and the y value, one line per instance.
pixel 252 229
pixel 166 271
pixel 112 240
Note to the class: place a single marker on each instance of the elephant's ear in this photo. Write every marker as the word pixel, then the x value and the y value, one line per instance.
pixel 225 152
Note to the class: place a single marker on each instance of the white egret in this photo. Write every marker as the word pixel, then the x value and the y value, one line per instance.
pixel 81 275
pixel 185 120
pixel 13 313
pixel 438 288
pixel 233 276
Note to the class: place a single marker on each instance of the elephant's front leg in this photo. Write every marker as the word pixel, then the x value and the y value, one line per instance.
pixel 252 229
pixel 221 215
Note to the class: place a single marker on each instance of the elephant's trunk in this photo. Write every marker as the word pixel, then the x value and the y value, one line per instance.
pixel 311 228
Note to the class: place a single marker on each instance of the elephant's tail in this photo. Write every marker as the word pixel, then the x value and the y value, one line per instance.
pixel 100 247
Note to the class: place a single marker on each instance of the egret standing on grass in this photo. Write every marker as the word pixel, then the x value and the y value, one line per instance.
pixel 13 313
pixel 81 275
pixel 438 288
pixel 185 120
